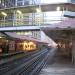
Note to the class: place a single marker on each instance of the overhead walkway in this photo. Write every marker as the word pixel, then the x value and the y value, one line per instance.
pixel 66 24
pixel 18 28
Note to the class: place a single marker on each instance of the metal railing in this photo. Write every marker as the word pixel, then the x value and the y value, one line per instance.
pixel 13 23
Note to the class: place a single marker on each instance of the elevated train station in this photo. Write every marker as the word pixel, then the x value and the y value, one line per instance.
pixel 37 37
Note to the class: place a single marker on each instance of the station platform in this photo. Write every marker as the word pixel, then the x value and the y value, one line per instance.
pixel 59 67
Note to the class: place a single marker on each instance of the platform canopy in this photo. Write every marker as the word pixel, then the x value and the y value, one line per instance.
pixel 66 23
pixel 23 37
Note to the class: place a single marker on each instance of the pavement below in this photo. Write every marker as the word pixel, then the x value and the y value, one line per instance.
pixel 59 67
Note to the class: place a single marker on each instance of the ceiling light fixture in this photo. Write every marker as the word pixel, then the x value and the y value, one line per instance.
pixel 19 12
pixel 3 13
pixel 38 10
pixel 58 8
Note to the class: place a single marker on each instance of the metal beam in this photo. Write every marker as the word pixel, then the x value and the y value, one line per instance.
pixel 20 28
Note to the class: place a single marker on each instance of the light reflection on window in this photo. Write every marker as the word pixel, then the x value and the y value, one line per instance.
pixel 29 46
pixel 24 33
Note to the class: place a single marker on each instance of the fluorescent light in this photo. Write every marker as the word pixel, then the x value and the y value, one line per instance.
pixel 38 10
pixel 0 37
pixel 3 13
pixel 58 8
pixel 19 12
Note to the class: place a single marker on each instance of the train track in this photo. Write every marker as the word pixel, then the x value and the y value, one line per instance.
pixel 29 64
pixel 24 65
pixel 8 61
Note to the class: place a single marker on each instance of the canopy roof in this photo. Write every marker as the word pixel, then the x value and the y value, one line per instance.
pixel 67 22
pixel 23 37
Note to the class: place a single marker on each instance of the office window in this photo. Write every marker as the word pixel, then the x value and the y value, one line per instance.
pixel 73 1
pixel 36 2
pixel 26 33
pixel 19 0
pixel 9 3
pixel 19 3
pixel 26 2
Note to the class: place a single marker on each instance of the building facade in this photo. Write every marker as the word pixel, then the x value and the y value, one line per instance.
pixel 33 12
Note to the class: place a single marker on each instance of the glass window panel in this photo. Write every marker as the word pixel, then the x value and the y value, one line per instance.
pixel 73 1
pixel 19 4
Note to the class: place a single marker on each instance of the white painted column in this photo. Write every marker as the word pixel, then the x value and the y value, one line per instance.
pixel 16 3
pixel 14 14
pixel 23 2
